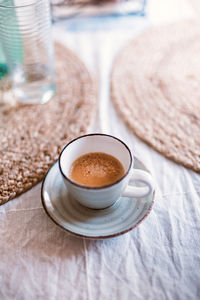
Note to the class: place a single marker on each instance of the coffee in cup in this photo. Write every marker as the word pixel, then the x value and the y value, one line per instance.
pixel 96 169
pixel 83 160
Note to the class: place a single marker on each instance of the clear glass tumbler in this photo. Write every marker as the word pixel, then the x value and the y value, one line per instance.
pixel 25 33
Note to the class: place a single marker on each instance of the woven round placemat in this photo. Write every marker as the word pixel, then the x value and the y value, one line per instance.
pixel 155 85
pixel 32 136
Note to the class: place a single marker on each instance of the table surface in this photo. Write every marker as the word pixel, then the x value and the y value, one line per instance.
pixel 160 259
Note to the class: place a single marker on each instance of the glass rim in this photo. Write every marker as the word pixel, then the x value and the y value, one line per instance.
pixel 20 6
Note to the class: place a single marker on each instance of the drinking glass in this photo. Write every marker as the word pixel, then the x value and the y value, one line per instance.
pixel 25 33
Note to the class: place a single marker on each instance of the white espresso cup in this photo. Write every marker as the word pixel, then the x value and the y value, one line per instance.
pixel 105 196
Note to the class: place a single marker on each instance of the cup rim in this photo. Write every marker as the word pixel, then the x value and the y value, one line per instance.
pixel 99 187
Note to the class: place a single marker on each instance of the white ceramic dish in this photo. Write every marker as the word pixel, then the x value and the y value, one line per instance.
pixel 85 222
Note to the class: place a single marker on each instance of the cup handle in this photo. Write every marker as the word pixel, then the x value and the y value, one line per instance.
pixel 139 192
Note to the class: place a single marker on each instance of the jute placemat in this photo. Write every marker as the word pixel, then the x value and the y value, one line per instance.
pixel 33 135
pixel 155 84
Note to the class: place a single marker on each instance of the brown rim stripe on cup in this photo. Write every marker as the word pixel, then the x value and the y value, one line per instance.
pixel 101 187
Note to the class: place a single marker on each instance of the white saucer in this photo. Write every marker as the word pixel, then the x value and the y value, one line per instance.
pixel 115 220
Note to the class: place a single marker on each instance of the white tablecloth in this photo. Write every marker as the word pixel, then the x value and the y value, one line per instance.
pixel 159 259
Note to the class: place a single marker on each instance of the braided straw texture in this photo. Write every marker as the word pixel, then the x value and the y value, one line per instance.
pixel 155 85
pixel 32 136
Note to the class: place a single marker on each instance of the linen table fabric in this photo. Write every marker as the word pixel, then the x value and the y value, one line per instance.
pixel 159 259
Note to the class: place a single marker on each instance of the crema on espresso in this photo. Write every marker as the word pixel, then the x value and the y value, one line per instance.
pixel 96 169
